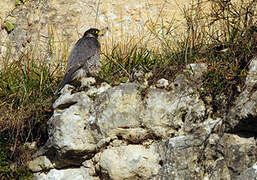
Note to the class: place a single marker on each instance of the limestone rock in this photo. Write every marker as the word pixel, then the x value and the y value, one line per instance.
pixel 180 157
pixel 239 153
pixel 80 126
pixel 90 166
pixel 118 107
pixel 169 113
pixel 40 163
pixel 249 174
pixel 227 156
pixel 65 174
pixel 206 157
pixel 93 91
pixel 162 83
pixel 138 74
pixel 116 133
pixel 190 78
pixel 129 162
pixel 242 116
pixel 67 130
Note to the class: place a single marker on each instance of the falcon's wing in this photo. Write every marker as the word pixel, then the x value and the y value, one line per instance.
pixel 82 51
pixel 68 77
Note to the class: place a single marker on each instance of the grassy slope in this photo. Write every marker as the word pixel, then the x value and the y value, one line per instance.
pixel 225 39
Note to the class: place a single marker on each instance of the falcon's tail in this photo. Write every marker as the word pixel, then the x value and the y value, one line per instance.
pixel 68 77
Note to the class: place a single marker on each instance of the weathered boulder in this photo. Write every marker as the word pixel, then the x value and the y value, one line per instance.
pixel 68 129
pixel 129 162
pixel 180 158
pixel 206 157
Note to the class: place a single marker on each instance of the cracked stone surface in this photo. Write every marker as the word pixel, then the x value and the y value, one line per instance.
pixel 118 134
pixel 129 162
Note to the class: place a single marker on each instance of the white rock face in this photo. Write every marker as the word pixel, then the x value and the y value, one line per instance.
pixel 167 112
pixel 67 132
pixel 119 134
pixel 119 107
pixel 67 174
pixel 130 162
pixel 80 125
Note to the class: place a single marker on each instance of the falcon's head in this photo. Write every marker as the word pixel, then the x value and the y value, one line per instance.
pixel 92 32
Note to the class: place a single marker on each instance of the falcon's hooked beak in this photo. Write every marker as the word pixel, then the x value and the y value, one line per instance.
pixel 103 31
pixel 99 33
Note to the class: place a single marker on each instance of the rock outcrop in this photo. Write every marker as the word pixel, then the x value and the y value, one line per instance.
pixel 243 116
pixel 121 133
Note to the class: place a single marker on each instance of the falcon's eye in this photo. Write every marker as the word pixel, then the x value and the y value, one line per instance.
pixel 96 32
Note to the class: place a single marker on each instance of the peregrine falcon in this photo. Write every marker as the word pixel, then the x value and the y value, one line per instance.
pixel 84 58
